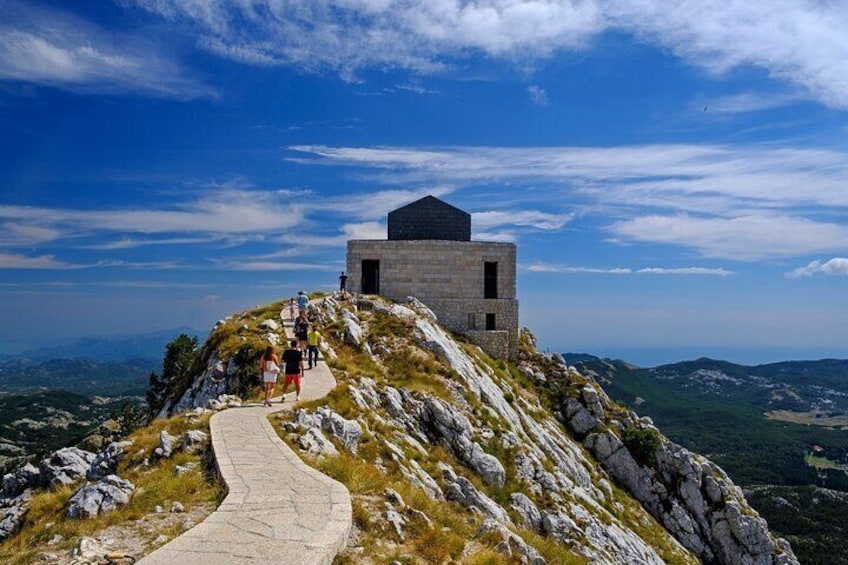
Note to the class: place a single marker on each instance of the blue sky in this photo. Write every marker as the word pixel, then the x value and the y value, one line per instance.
pixel 675 176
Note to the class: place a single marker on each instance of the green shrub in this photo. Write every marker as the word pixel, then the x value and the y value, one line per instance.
pixel 643 443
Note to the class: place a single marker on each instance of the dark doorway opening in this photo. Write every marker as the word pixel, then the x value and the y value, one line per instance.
pixel 370 276
pixel 490 322
pixel 490 279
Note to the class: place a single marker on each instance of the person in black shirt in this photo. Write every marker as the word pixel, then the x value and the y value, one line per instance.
pixel 301 331
pixel 293 365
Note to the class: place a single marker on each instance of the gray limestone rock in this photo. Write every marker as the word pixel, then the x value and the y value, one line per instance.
pixel 315 444
pixel 462 491
pixel 12 512
pixel 530 515
pixel 65 466
pixel 397 522
pixel 18 481
pixel 167 442
pixel 107 460
pixel 511 545
pixel 270 324
pixel 352 334
pixel 449 425
pixel 194 440
pixel 103 496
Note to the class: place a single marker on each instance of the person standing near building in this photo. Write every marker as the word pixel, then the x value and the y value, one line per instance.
pixel 293 365
pixel 343 283
pixel 270 370
pixel 312 340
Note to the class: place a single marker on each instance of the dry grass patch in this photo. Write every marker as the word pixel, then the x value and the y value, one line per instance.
pixel 156 485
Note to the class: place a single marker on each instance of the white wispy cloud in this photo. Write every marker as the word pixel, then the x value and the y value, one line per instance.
pixel 698 178
pixel 131 243
pixel 685 271
pixel 796 41
pixel 748 102
pixel 527 218
pixel 742 202
pixel 55 48
pixel 838 266
pixel 538 95
pixel 18 261
pixel 743 238
pixel 224 212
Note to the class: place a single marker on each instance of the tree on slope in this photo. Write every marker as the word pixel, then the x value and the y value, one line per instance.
pixel 180 355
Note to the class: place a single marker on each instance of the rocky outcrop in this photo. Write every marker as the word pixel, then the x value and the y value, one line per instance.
pixel 447 425
pixel 348 432
pixel 511 545
pixel 106 462
pixel 25 477
pixel 103 496
pixel 12 512
pixel 463 491
pixel 167 444
pixel 65 466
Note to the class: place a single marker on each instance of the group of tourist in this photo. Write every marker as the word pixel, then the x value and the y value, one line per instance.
pixel 306 341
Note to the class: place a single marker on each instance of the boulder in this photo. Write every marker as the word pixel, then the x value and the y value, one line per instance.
pixel 106 462
pixel 270 324
pixel 65 466
pixel 511 545
pixel 18 481
pixel 531 518
pixel 448 424
pixel 461 490
pixel 167 442
pixel 315 444
pixel 103 496
pixel 194 440
pixel 12 512
pixel 352 334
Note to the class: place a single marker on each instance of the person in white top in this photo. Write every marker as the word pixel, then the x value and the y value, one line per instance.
pixel 270 369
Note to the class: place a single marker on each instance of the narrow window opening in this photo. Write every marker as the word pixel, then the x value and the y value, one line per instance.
pixel 472 321
pixel 490 322
pixel 490 279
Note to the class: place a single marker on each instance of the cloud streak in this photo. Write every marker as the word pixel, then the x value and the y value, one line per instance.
pixel 54 48
pixel 682 271
pixel 799 42
pixel 735 202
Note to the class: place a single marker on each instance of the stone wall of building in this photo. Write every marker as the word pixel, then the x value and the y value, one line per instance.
pixel 448 276
pixel 432 268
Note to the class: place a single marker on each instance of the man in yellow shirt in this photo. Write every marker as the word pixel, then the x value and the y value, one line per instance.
pixel 312 340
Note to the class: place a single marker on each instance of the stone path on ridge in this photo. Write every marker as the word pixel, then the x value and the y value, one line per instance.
pixel 278 509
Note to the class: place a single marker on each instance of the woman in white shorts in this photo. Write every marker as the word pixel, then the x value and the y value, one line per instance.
pixel 270 370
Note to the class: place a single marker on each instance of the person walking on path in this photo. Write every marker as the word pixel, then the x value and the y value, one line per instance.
pixel 292 306
pixel 293 364
pixel 312 340
pixel 343 283
pixel 270 369
pixel 301 331
pixel 302 302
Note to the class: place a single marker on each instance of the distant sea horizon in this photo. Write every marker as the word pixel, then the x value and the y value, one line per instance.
pixel 647 357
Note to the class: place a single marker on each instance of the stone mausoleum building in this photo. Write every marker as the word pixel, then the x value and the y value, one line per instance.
pixel 469 285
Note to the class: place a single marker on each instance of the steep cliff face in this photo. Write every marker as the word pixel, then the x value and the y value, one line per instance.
pixel 533 451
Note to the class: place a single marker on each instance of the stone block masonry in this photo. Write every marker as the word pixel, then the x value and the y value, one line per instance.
pixel 451 278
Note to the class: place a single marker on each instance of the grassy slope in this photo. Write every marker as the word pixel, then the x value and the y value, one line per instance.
pixel 156 484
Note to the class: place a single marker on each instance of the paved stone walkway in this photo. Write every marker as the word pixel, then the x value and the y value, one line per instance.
pixel 278 509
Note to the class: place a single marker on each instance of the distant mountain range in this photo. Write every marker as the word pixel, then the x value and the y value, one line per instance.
pixel 778 429
pixel 118 348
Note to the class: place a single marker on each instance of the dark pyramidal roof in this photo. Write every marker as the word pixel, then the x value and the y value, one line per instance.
pixel 429 218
